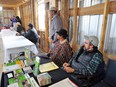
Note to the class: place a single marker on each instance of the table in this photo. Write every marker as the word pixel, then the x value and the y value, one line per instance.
pixel 55 74
pixel 15 44
pixel 7 32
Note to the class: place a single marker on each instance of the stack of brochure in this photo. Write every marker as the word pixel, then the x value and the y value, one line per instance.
pixel 44 79
pixel 27 69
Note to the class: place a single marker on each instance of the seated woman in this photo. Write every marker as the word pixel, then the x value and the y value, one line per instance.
pixel 61 52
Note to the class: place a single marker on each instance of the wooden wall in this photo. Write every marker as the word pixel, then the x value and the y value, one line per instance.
pixel 26 13
pixel 103 8
pixel 7 14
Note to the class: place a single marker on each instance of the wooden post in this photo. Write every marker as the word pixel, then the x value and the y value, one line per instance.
pixel 73 42
pixel 104 24
pixel 65 13
pixel 46 28
pixel 36 14
pixel 56 4
pixel 41 39
pixel 32 13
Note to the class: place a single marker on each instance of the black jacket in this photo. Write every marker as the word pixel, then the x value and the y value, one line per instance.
pixel 20 29
pixel 30 35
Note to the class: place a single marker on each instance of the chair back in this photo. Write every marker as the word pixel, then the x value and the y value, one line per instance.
pixel 110 77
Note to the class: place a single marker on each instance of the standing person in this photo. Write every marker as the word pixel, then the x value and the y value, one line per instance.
pixel 13 20
pixel 18 20
pixel 55 25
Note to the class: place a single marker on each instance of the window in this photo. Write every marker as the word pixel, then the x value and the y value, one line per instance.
pixel 41 16
pixel 110 39
pixel 1 17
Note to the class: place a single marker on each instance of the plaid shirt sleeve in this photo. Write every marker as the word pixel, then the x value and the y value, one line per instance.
pixel 91 68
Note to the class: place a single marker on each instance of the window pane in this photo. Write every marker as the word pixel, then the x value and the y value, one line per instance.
pixel 89 25
pixel 41 16
pixel 110 39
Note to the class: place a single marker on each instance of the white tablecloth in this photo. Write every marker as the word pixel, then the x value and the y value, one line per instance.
pixel 7 32
pixel 16 44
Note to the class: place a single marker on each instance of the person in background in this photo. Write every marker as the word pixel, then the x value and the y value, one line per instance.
pixel 18 20
pixel 13 20
pixel 55 25
pixel 87 61
pixel 20 29
pixel 61 52
pixel 31 34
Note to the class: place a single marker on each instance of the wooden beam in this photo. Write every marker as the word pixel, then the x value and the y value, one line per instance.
pixel 95 9
pixel 104 24
pixel 41 39
pixel 73 42
pixel 32 13
pixel 46 28
pixel 36 14
pixel 65 13
pixel 112 7
pixel 56 4
pixel 10 6
pixel 23 2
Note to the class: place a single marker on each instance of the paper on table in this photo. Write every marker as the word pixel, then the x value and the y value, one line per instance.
pixel 27 69
pixel 11 68
pixel 20 63
pixel 64 83
pixel 10 75
pixel 48 67
pixel 13 85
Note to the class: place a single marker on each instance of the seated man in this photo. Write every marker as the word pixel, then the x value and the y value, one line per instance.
pixel 31 34
pixel 87 61
pixel 61 52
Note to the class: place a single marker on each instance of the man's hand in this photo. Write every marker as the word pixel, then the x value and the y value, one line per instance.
pixel 69 69
pixel 66 64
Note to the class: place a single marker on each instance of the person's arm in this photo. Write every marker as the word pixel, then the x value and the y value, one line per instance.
pixel 91 68
pixel 28 34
